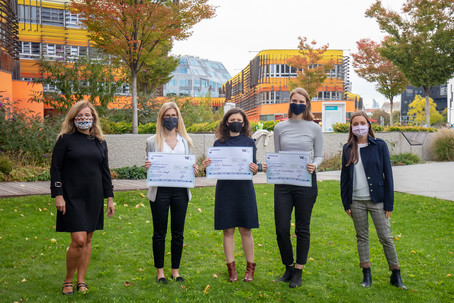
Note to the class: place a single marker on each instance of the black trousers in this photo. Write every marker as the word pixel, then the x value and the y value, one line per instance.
pixel 177 200
pixel 287 197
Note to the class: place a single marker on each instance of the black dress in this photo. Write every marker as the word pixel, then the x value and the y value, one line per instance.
pixel 80 172
pixel 235 203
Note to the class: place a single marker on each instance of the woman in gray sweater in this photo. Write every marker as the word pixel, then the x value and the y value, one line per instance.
pixel 299 133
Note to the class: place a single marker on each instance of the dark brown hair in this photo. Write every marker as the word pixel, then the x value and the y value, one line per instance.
pixel 223 133
pixel 353 140
pixel 307 115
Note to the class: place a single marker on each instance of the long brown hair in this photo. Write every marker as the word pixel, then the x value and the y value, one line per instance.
pixel 223 133
pixel 307 115
pixel 181 129
pixel 68 126
pixel 353 140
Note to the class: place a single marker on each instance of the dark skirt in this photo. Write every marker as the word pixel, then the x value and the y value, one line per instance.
pixel 235 205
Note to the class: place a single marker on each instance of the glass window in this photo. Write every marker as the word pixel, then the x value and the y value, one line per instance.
pixel 182 70
pixel 183 61
pixel 52 16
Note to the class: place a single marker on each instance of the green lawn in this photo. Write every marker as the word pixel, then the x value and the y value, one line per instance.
pixel 33 255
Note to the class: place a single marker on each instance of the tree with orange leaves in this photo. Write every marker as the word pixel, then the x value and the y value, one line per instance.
pixel 311 71
pixel 371 66
pixel 135 31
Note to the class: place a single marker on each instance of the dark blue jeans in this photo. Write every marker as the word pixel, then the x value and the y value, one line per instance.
pixel 177 200
pixel 287 197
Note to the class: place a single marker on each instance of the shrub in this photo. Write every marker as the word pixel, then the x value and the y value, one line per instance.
pixel 30 174
pixel 331 163
pixel 341 127
pixel 6 166
pixel 443 145
pixel 27 135
pixel 131 172
pixel 149 128
pixel 409 128
pixel 405 159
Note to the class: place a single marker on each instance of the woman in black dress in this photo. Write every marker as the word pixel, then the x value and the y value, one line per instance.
pixel 235 202
pixel 80 180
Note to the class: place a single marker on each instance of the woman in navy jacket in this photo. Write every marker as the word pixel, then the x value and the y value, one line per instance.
pixel 367 187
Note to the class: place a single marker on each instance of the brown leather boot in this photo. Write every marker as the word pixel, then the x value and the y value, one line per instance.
pixel 249 274
pixel 233 275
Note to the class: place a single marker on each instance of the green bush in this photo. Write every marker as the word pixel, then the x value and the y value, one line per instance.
pixel 443 145
pixel 130 172
pixel 26 135
pixel 405 159
pixel 6 166
pixel 409 128
pixel 149 128
pixel 29 174
pixel 331 163
pixel 341 127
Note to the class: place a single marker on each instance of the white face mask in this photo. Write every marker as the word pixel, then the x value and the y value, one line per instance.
pixel 83 123
pixel 360 130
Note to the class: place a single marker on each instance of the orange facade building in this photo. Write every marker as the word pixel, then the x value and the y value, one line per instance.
pixel 262 87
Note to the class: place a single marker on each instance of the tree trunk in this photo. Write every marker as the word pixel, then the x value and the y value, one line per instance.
pixel 135 124
pixel 391 110
pixel 426 91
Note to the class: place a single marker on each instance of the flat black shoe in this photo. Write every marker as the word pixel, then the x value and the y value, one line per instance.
pixel 367 277
pixel 162 280
pixel 396 279
pixel 287 275
pixel 296 279
pixel 177 279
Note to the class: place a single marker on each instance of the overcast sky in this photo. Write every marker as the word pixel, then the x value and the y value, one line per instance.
pixel 241 28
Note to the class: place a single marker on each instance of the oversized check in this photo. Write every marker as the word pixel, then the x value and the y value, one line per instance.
pixel 171 170
pixel 288 168
pixel 229 163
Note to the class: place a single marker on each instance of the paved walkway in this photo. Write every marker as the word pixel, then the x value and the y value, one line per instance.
pixel 433 179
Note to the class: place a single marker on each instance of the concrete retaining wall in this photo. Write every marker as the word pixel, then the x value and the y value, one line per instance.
pixel 129 150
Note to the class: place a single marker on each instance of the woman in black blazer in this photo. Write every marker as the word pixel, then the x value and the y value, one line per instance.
pixel 367 187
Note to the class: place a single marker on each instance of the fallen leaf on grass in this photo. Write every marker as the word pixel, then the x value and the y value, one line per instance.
pixel 26 239
pixel 125 205
pixel 207 288
pixel 24 280
pixel 199 209
pixel 53 240
pixel 311 259
pixel 127 283
pixel 143 196
pixel 140 269
pixel 413 252
pixel 40 209
pixel 147 221
pixel 138 205
pixel 215 276
pixel 448 275
pixel 259 245
pixel 292 224
pixel 184 287
pixel 45 209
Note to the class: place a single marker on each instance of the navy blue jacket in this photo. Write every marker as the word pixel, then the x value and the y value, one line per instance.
pixel 377 166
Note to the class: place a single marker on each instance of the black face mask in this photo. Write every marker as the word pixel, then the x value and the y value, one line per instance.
pixel 297 109
pixel 235 127
pixel 170 123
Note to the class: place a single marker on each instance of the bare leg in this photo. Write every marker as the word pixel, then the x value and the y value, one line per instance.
pixel 84 261
pixel 248 243
pixel 74 255
pixel 229 244
pixel 160 273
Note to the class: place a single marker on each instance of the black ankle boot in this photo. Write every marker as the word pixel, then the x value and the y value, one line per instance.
pixel 287 275
pixel 367 277
pixel 296 278
pixel 396 279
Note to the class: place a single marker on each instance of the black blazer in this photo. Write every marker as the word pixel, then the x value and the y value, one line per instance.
pixel 377 166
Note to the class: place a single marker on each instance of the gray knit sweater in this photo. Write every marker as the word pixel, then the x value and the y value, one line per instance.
pixel 299 135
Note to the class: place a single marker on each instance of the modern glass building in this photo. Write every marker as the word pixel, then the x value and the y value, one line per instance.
pixel 195 77
pixel 438 93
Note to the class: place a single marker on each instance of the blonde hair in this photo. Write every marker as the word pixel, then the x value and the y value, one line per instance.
pixel 68 126
pixel 181 129
pixel 307 115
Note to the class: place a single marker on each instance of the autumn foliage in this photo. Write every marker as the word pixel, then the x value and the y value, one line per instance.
pixel 371 66
pixel 311 68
